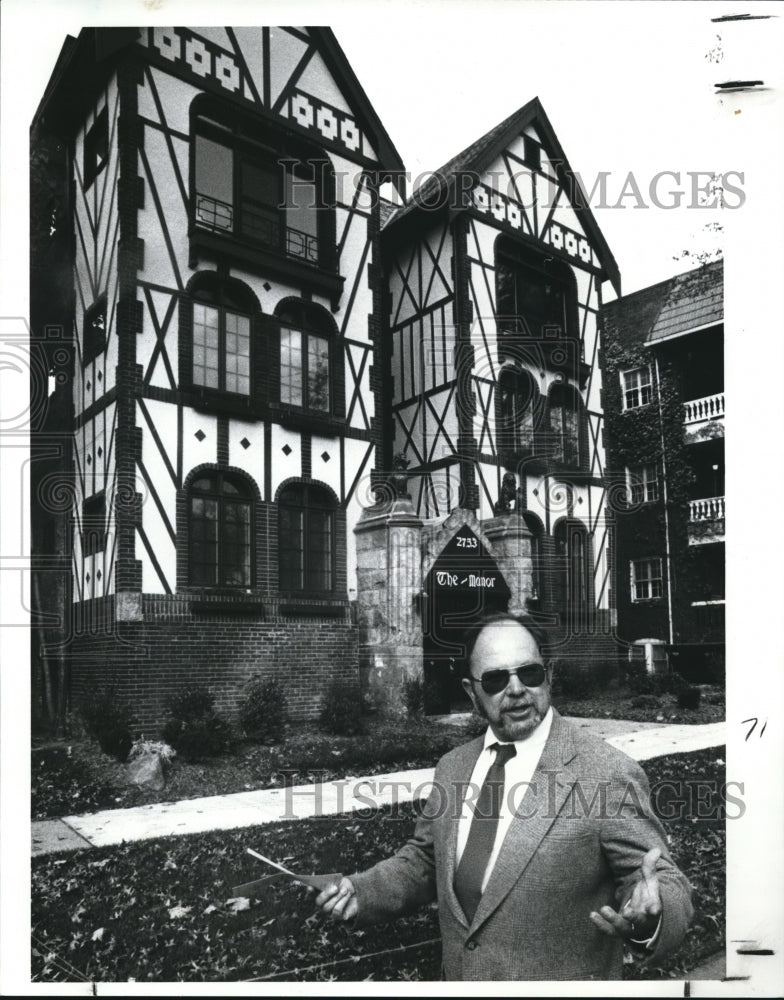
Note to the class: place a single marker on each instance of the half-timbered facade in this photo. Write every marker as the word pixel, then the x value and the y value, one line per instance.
pixel 309 439
pixel 224 219
pixel 494 271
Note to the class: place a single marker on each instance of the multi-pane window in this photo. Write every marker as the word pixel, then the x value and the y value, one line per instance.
pixel 219 532
pixel 273 198
pixel 221 349
pixel 515 415
pixel 646 579
pixel 564 414
pixel 305 361
pixel 637 387
pixel 220 336
pixel 306 539
pixel 642 483
pixel 535 296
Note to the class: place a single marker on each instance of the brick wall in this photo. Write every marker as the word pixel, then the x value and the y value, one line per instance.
pixel 147 662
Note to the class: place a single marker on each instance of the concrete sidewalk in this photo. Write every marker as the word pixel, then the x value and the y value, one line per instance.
pixel 245 809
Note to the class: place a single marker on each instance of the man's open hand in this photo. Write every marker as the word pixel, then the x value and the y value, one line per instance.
pixel 339 901
pixel 639 915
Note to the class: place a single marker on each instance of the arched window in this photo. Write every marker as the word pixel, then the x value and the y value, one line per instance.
pixel 516 411
pixel 310 374
pixel 572 572
pixel 565 418
pixel 220 531
pixel 217 341
pixel 306 539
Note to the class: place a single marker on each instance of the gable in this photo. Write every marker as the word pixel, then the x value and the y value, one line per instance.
pixel 299 74
pixel 491 177
pixel 536 201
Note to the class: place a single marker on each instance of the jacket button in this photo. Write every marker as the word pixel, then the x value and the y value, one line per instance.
pixel 472 945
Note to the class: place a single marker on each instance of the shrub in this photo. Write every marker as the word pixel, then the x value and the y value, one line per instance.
pixel 414 695
pixel 195 730
pixel 108 721
pixel 572 679
pixel 262 713
pixel 341 712
pixel 689 697
pixel 639 681
pixel 646 701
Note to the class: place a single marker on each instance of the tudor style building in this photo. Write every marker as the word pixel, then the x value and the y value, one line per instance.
pixel 280 412
pixel 664 406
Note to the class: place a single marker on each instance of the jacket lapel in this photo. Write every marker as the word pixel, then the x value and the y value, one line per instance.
pixel 551 783
pixel 456 782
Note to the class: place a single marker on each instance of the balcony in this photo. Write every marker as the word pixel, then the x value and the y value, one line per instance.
pixel 706 520
pixel 703 418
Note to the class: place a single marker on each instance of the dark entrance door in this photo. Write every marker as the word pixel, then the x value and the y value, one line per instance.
pixel 463 584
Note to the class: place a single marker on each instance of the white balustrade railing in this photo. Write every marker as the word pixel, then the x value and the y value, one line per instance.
pixel 707 408
pixel 707 509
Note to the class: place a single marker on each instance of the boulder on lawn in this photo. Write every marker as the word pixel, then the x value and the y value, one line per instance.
pixel 146 772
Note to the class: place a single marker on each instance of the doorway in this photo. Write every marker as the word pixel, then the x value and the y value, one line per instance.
pixel 463 584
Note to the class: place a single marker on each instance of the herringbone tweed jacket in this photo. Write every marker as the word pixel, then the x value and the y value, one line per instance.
pixel 575 845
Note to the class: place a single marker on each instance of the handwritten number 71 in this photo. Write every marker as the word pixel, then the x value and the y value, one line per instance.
pixel 754 726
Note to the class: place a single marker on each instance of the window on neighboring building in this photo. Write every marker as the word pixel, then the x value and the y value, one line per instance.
pixel 220 530
pixel 218 345
pixel 646 577
pixel 306 364
pixel 94 524
pixel 516 414
pixel 96 148
pixel 262 187
pixel 306 539
pixel 642 483
pixel 94 331
pixel 637 387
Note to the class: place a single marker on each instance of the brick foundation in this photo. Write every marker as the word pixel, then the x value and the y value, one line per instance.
pixel 148 661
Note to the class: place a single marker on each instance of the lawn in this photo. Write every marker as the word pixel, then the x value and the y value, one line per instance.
pixel 163 911
pixel 74 776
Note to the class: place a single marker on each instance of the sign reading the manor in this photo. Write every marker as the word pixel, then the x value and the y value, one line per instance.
pixel 466 565
pixel 444 579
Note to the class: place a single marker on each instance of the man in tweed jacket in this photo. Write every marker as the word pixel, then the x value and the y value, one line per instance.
pixel 579 864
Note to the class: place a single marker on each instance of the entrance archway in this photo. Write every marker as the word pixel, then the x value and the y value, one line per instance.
pixel 464 582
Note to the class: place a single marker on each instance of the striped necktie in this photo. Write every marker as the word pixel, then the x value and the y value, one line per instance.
pixel 481 837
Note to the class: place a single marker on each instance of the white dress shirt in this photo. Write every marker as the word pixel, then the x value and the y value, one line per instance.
pixel 518 772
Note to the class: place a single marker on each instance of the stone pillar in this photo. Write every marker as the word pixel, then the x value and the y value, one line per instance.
pixel 511 541
pixel 389 578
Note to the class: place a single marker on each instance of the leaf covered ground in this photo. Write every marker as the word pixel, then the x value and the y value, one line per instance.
pixel 74 776
pixel 165 911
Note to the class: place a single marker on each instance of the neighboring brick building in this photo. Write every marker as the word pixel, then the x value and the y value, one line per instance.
pixel 258 362
pixel 663 360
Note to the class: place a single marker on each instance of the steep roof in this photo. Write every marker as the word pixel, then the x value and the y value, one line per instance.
pixel 694 301
pixel 670 308
pixel 479 155
pixel 85 61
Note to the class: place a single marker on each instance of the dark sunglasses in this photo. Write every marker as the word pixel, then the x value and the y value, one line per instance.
pixel 494 681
